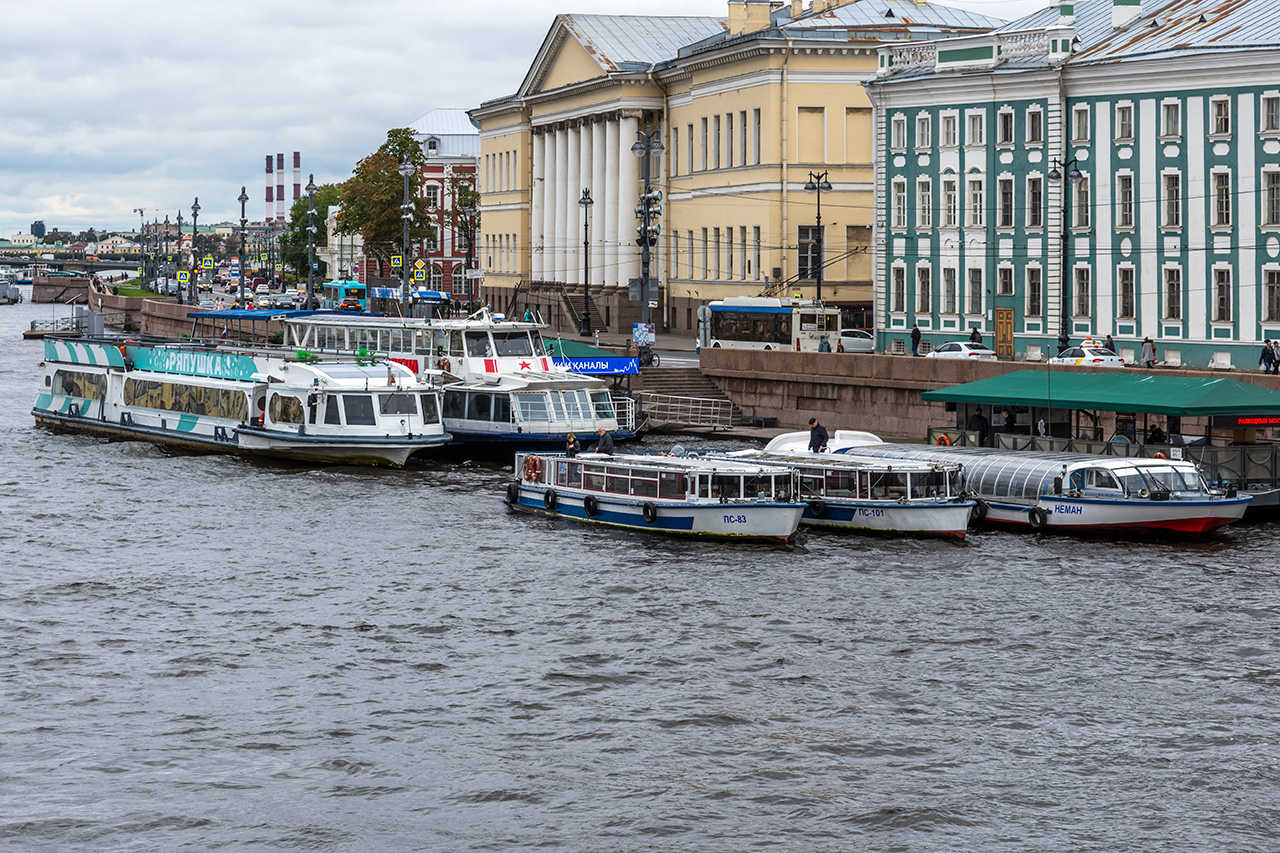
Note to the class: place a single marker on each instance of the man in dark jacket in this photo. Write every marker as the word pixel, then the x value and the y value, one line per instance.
pixel 605 444
pixel 915 339
pixel 817 436
pixel 975 336
pixel 978 424
pixel 1267 360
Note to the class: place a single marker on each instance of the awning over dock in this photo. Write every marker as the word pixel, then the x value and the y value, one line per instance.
pixel 1115 392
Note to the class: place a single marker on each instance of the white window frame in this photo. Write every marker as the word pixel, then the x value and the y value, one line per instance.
pixel 950 201
pixel 1124 122
pixel 1219 117
pixel 1006 212
pixel 976 283
pixel 924 132
pixel 898 133
pixel 1222 278
pixel 1035 212
pixel 1271 293
pixel 1082 291
pixel 976 200
pixel 1080 124
pixel 975 127
pixel 1174 272
pixel 950 305
pixel 1126 289
pixel 1037 124
pixel 898 204
pixel 1082 208
pixel 1221 202
pixel 1004 280
pixel 1124 200
pixel 1269 114
pixel 1171 209
pixel 924 288
pixel 1006 128
pixel 949 137
pixel 1034 288
pixel 1270 197
pixel 898 288
pixel 924 203
pixel 1170 109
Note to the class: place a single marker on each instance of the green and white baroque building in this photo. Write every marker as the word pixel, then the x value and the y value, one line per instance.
pixel 1104 168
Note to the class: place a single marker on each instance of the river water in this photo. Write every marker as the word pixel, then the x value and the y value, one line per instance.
pixel 202 653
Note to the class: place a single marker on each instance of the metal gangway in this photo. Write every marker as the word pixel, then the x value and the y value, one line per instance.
pixel 670 410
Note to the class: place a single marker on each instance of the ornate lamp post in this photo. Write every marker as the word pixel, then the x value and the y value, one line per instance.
pixel 177 245
pixel 586 202
pixel 311 237
pixel 192 290
pixel 244 197
pixel 817 183
pixel 406 171
pixel 1064 276
pixel 647 141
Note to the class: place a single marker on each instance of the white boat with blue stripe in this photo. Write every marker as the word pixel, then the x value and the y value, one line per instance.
pixel 668 494
pixel 232 400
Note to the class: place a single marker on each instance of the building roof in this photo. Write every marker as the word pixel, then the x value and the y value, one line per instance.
pixel 1115 392
pixel 895 17
pixel 1177 27
pixel 458 135
pixel 638 42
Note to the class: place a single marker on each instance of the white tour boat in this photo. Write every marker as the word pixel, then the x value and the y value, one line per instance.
pixel 871 495
pixel 670 494
pixel 502 389
pixel 230 400
pixel 1073 492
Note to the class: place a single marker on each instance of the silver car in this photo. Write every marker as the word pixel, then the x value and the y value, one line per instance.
pixel 856 340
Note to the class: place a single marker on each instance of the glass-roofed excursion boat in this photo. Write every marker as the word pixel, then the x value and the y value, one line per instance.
pixel 232 400
pixel 502 388
pixel 1072 492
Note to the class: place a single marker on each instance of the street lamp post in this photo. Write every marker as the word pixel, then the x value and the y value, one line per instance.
pixel 311 237
pixel 647 141
pixel 586 202
pixel 406 170
pixel 244 197
pixel 177 247
pixel 469 211
pixel 192 289
pixel 1064 275
pixel 817 183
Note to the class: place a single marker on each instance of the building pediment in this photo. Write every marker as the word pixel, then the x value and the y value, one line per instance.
pixel 562 61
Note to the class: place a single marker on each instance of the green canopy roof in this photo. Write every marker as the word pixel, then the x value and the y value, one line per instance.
pixel 1116 392
pixel 559 348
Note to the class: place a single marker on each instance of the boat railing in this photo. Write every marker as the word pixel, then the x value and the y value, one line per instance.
pixel 703 412
pixel 625 409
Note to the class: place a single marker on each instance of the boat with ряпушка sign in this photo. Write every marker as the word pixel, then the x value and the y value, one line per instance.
pixel 869 495
pixel 1073 492
pixel 667 494
pixel 232 400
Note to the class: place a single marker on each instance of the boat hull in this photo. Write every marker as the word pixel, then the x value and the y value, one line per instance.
pixel 950 520
pixel 764 521
pixel 1084 515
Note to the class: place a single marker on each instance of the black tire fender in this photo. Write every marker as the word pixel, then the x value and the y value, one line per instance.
pixel 549 499
pixel 513 493
pixel 818 508
pixel 650 512
pixel 591 505
pixel 980 510
pixel 1038 518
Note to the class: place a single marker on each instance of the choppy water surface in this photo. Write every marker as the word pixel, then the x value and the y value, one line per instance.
pixel 202 653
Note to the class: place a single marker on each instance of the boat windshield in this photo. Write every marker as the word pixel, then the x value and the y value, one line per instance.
pixel 930 485
pixel 512 343
pixel 478 344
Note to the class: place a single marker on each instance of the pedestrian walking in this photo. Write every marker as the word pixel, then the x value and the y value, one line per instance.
pixel 1148 353
pixel 1267 358
pixel 915 339
pixel 817 436
pixel 975 336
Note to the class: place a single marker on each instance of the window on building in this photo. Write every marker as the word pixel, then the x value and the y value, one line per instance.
pixel 1035 292
pixel 975 135
pixel 1083 293
pixel 949 290
pixel 948 131
pixel 703 161
pixel 431 193
pixel 899 203
pixel 975 291
pixel 1124 122
pixel 924 290
pixel 715 142
pixel 1082 204
pixel 900 289
pixel 1173 201
pixel 1080 124
pixel 1272 285
pixel 755 249
pixel 1222 295
pixel 1124 201
pixel 949 213
pixel 688 149
pixel 742 137
pixel 810 252
pixel 1171 124
pixel 976 202
pixel 899 140
pixel 1270 113
pixel 675 153
pixel 1172 293
pixel 923 132
pixel 1004 279
pixel 742 253
pixel 704 259
pixel 1221 117
pixel 924 203
pixel 1271 198
pixel 1035 127
pixel 1006 202
pixel 1222 199
pixel 1006 128
pixel 715 253
pixel 728 252
pixel 1035 202
pixel 1126 291
pixel 755 136
pixel 689 254
pixel 729 150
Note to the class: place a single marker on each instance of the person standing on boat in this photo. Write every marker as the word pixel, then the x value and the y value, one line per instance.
pixel 978 424
pixel 571 446
pixel 605 444
pixel 817 436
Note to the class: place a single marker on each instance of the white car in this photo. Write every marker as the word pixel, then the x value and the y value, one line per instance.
pixel 962 349
pixel 1088 356
pixel 856 340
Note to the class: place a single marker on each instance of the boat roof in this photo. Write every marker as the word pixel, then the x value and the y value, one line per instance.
pixel 980 458
pixel 1184 396
pixel 337 318
pixel 704 464
pixel 848 461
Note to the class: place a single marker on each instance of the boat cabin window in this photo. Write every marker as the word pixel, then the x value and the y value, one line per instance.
pixel 603 404
pixel 359 410
pixel 455 404
pixel 615 480
pixel 539 346
pixel 758 486
pixel 887 484
pixel 569 473
pixel 644 483
pixel 285 409
pixel 532 407
pixel 73 383
pixel 671 484
pixel 931 484
pixel 331 411
pixel 454 343
pixel 726 486
pixel 398 404
pixel 593 477
pixel 557 406
pixel 422 342
pixel 479 407
pixel 364 338
pixel 1097 478
pixel 512 343
pixel 430 409
pixel 478 344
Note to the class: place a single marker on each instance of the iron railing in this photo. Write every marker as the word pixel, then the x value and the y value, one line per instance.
pixel 702 412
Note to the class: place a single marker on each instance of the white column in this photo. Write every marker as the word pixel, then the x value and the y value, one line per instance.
pixel 584 183
pixel 562 166
pixel 608 205
pixel 628 200
pixel 600 197
pixel 536 206
pixel 573 224
pixel 550 197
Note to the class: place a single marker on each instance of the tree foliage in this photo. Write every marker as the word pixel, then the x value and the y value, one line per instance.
pixel 463 215
pixel 372 196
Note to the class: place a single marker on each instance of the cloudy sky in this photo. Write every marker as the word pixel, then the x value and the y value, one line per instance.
pixel 110 107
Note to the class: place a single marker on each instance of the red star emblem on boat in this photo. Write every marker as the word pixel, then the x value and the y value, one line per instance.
pixel 524 365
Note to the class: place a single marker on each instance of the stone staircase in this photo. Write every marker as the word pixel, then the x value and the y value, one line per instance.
pixel 687 382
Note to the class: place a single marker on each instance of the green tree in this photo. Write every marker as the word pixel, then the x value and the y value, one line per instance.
pixel 463 215
pixel 372 196
pixel 295 238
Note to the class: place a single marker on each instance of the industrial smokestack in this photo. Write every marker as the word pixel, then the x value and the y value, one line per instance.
pixel 280 188
pixel 270 191
pixel 297 175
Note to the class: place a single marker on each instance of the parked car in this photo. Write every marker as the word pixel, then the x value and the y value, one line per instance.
pixel 1088 355
pixel 963 349
pixel 350 305
pixel 856 340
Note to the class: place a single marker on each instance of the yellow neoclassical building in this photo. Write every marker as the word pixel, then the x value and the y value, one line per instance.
pixel 740 114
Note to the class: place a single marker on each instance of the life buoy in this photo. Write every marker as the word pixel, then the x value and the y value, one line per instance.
pixel 943 441
pixel 1038 518
pixel 1160 455
pixel 817 508
pixel 980 510
pixel 513 493
pixel 444 364
pixel 650 512
pixel 591 505
pixel 532 468
pixel 549 499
